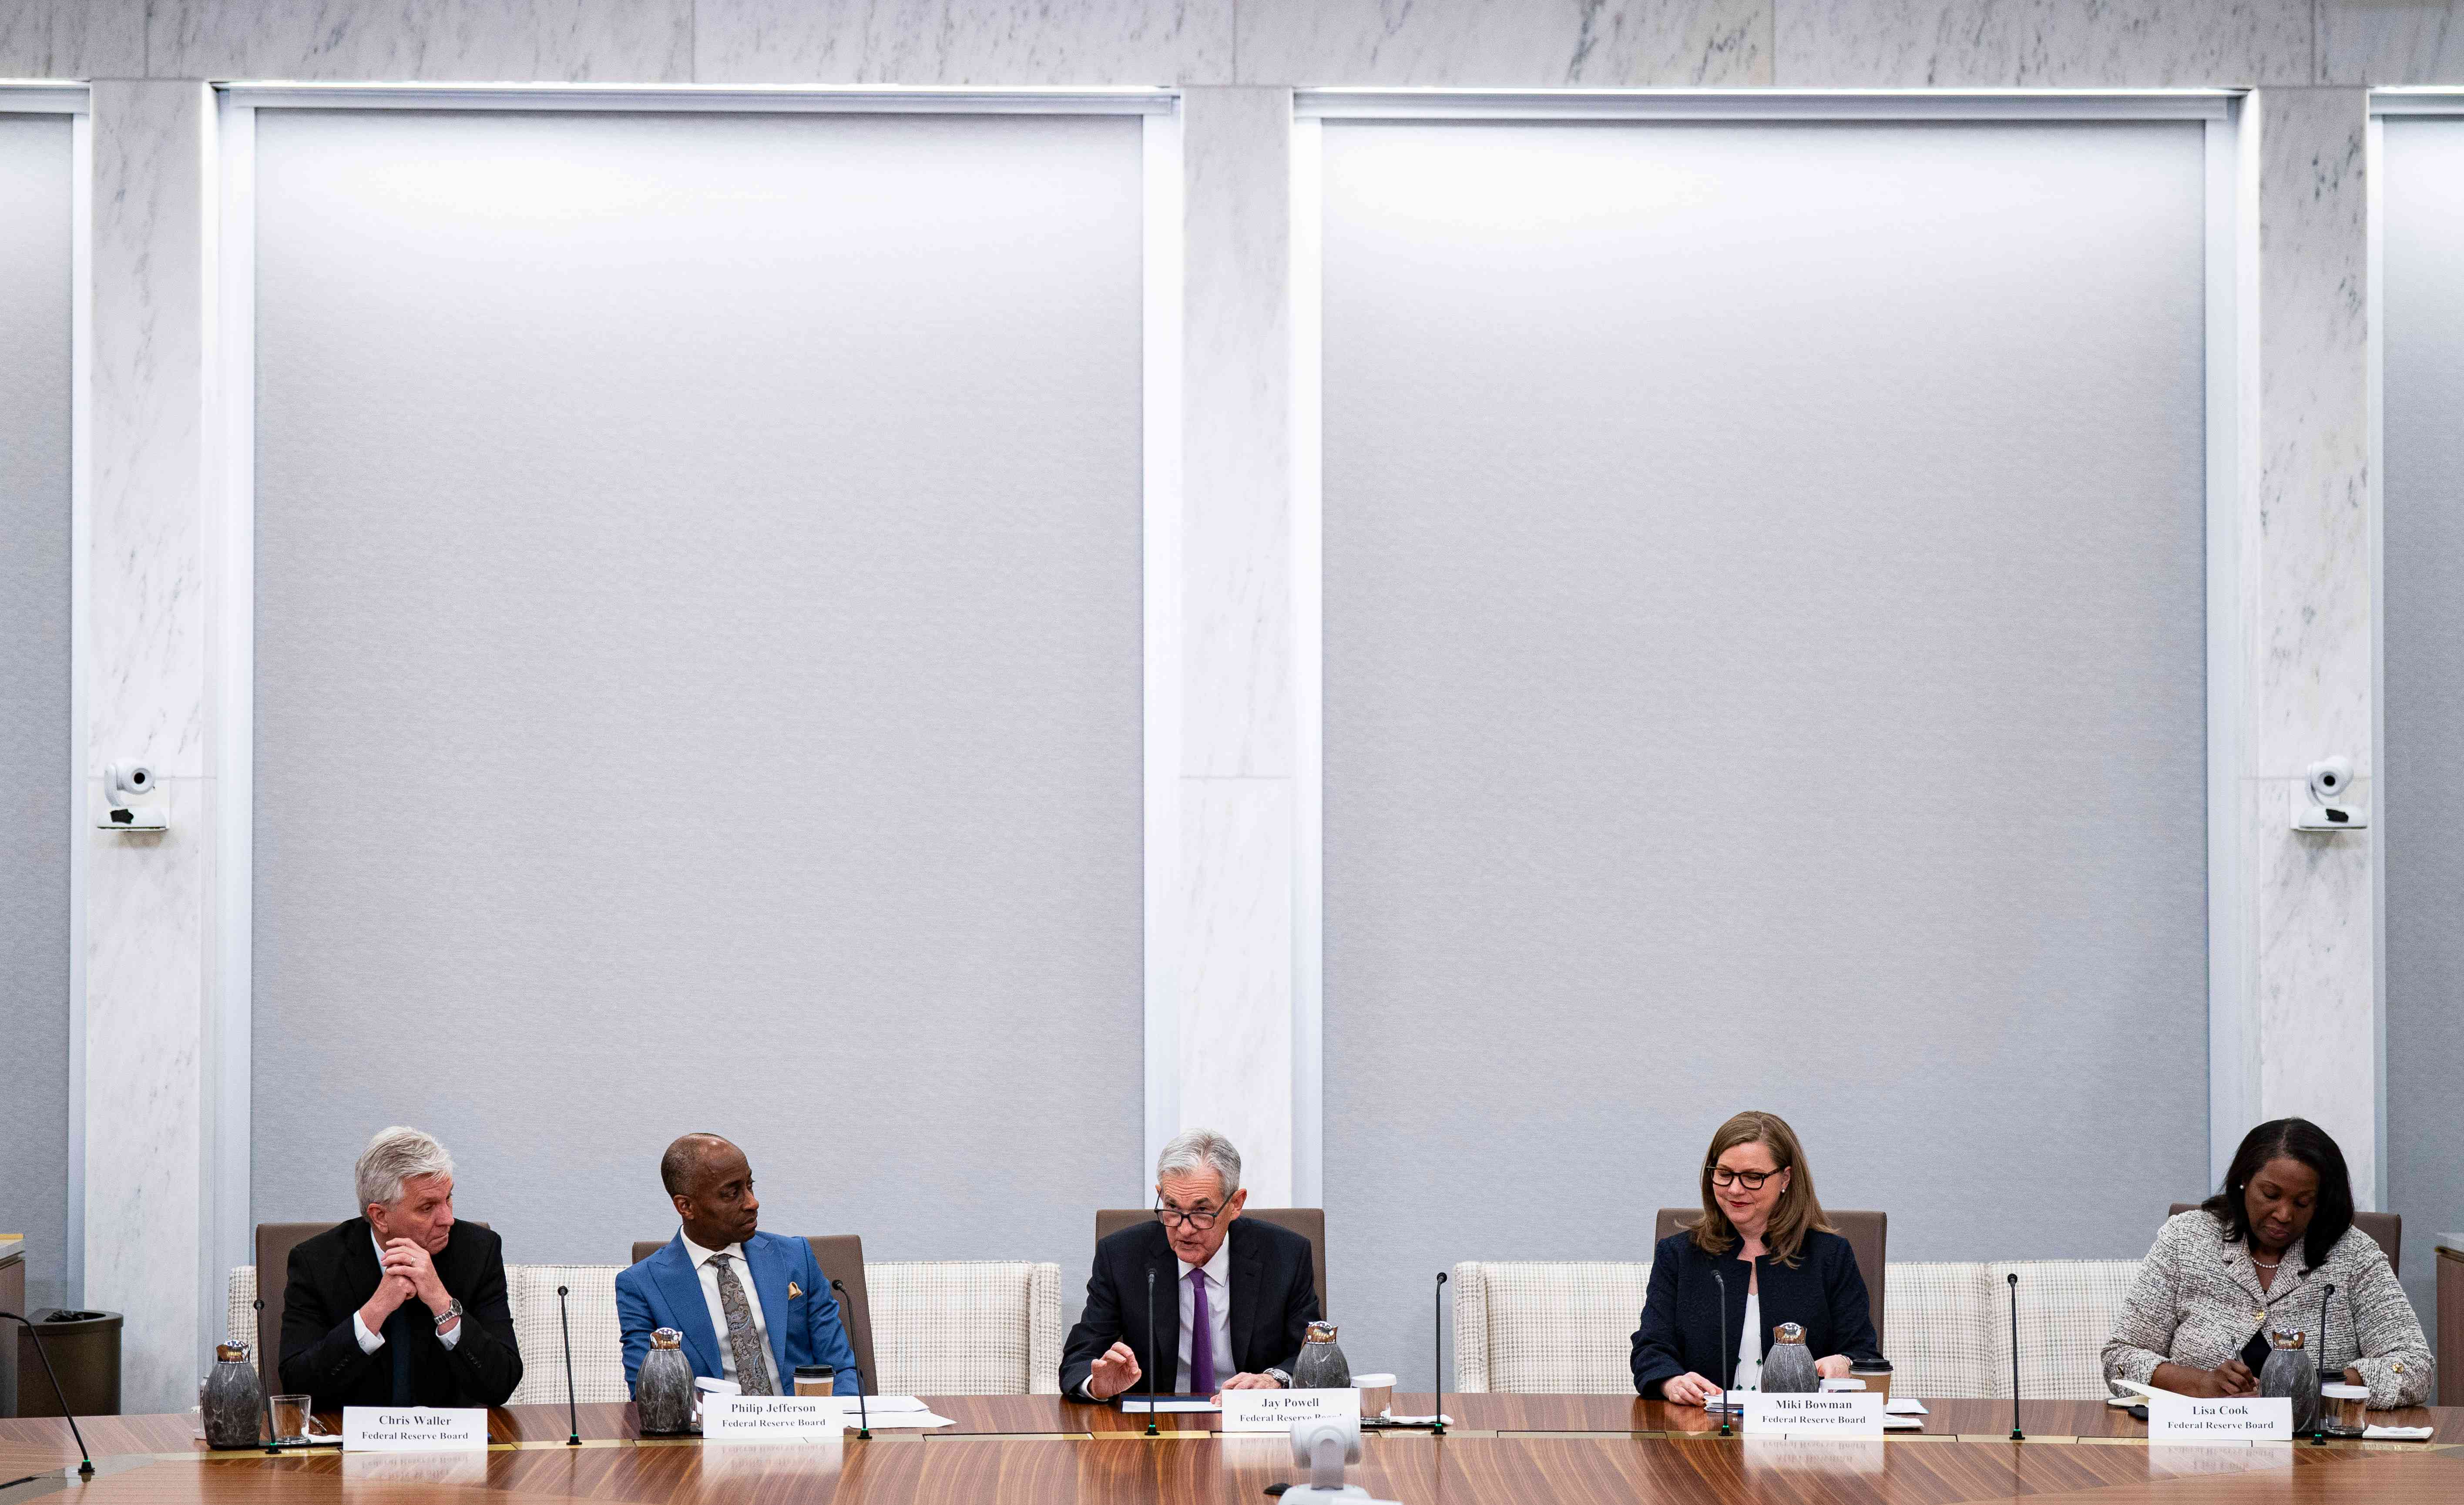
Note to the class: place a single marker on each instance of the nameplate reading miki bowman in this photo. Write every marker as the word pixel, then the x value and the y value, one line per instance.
pixel 774 1418
pixel 414 1428
pixel 1840 1414
pixel 2244 1418
pixel 1275 1410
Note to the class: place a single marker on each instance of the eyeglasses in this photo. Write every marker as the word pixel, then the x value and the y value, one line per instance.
pixel 1200 1217
pixel 1750 1180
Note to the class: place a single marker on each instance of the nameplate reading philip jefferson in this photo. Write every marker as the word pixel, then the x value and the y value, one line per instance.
pixel 774 1418
pixel 1275 1410
pixel 2243 1418
pixel 1840 1414
pixel 414 1428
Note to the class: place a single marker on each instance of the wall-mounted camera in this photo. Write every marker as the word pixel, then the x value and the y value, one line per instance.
pixel 2324 801
pixel 126 785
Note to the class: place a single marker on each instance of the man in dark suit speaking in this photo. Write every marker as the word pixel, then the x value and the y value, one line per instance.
pixel 403 1306
pixel 1244 1292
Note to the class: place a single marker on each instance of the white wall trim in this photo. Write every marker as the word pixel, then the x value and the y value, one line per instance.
pixel 1309 664
pixel 2415 102
pixel 780 100
pixel 43 97
pixel 80 664
pixel 2232 470
pixel 1164 315
pixel 1746 104
pixel 2374 220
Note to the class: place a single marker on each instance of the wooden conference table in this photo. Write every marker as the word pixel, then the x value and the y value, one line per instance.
pixel 1504 1449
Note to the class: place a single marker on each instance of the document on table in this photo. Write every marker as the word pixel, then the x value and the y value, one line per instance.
pixel 1904 1405
pixel 1166 1405
pixel 1893 1422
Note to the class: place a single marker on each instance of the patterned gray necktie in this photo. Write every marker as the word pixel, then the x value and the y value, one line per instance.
pixel 752 1365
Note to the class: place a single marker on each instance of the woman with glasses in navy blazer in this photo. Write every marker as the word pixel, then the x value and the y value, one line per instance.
pixel 1762 1232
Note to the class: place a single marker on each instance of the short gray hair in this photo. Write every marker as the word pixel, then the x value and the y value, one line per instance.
pixel 1193 1150
pixel 397 1155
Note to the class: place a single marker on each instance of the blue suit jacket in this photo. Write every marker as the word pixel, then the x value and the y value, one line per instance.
pixel 664 1290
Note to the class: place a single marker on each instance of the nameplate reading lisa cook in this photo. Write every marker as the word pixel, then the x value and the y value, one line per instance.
pixel 774 1418
pixel 1843 1413
pixel 1275 1410
pixel 2249 1418
pixel 410 1429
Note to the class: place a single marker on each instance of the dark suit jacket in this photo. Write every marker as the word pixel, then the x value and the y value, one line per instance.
pixel 333 1276
pixel 1682 1318
pixel 1274 1299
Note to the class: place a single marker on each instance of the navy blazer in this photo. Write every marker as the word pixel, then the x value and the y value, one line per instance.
pixel 1682 1318
pixel 1274 1299
pixel 799 1315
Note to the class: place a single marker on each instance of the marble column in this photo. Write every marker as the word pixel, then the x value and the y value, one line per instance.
pixel 149 921
pixel 1235 896
pixel 2309 1012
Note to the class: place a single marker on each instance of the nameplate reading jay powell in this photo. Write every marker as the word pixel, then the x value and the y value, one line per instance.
pixel 2242 1418
pixel 774 1418
pixel 414 1428
pixel 1841 1414
pixel 1275 1410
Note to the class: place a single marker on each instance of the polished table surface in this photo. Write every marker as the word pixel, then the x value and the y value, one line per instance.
pixel 1035 1450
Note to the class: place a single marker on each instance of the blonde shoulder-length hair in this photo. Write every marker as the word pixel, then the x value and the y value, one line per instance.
pixel 1798 1213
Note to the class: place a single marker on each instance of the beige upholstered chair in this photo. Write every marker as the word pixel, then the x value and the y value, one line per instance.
pixel 1939 1342
pixel 967 1327
pixel 1540 1328
pixel 1950 1326
pixel 597 1344
pixel 239 1314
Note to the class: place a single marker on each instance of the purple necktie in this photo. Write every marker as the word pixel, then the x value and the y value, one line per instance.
pixel 1201 1339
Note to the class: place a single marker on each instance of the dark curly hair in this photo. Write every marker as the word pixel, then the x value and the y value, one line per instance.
pixel 2297 1139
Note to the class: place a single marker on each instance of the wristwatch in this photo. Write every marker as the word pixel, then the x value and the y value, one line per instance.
pixel 452 1310
pixel 1279 1377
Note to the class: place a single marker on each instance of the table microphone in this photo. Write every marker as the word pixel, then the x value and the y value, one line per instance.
pixel 273 1436
pixel 2319 1417
pixel 1438 1427
pixel 1723 1281
pixel 863 1412
pixel 2016 1436
pixel 572 1412
pixel 85 1464
pixel 1151 1354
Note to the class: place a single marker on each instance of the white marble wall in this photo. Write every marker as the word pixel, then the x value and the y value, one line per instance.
pixel 2306 584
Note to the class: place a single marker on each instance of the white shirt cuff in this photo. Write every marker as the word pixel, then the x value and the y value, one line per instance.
pixel 448 1340
pixel 369 1342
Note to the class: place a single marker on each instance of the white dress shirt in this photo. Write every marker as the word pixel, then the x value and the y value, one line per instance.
pixel 1749 1348
pixel 1219 1311
pixel 370 1343
pixel 701 1260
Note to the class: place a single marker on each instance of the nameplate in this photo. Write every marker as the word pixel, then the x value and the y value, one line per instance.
pixel 2244 1418
pixel 1842 1415
pixel 411 1429
pixel 774 1418
pixel 1275 1410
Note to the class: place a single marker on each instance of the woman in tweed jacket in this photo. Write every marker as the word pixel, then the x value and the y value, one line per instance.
pixel 2260 1255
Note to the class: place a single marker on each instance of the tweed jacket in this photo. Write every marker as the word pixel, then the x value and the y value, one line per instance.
pixel 2198 1300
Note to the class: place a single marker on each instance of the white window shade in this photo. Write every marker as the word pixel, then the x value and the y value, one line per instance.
pixel 1765 644
pixel 698 663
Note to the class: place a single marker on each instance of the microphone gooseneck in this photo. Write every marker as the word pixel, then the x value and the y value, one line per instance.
pixel 272 1438
pixel 863 1412
pixel 1438 1427
pixel 2016 1436
pixel 85 1459
pixel 2319 1417
pixel 1150 1355
pixel 1723 1282
pixel 572 1410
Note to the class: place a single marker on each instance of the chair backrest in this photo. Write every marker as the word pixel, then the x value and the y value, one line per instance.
pixel 1867 1232
pixel 1534 1328
pixel 968 1327
pixel 539 1330
pixel 1307 1222
pixel 2384 1228
pixel 274 1242
pixel 841 1256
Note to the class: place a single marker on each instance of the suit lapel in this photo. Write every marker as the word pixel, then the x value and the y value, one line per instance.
pixel 1248 1278
pixel 360 1258
pixel 768 1264
pixel 681 1283
pixel 1154 1354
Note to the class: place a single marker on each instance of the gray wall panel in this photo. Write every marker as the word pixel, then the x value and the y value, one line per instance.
pixel 2422 761
pixel 1764 668
pixel 698 666
pixel 37 782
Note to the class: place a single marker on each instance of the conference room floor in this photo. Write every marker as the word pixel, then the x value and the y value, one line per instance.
pixel 1505 1450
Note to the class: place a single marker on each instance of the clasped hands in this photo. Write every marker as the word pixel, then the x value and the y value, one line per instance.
pixel 2225 1380
pixel 408 1273
pixel 1118 1369
pixel 1692 1389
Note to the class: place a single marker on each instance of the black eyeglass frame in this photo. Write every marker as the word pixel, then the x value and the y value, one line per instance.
pixel 1750 1180
pixel 1174 1217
